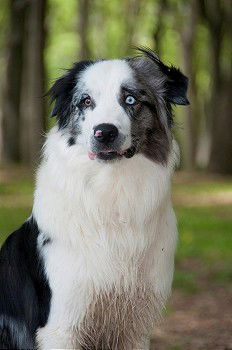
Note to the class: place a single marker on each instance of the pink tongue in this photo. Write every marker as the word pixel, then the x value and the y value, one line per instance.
pixel 92 155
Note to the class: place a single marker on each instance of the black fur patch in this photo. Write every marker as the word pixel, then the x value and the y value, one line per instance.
pixel 62 92
pixel 71 141
pixel 24 291
pixel 46 241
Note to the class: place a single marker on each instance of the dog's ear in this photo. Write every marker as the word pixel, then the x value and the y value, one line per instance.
pixel 175 82
pixel 176 86
pixel 62 91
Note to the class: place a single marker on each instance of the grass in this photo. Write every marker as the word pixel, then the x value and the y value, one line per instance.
pixel 205 230
pixel 203 206
pixel 11 219
pixel 204 186
pixel 16 193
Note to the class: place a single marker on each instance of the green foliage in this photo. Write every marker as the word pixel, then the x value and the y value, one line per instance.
pixel 4 27
pixel 116 27
pixel 62 46
pixel 108 32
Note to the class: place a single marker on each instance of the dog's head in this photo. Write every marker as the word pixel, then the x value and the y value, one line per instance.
pixel 117 108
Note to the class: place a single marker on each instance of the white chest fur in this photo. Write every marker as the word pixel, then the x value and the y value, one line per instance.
pixel 112 230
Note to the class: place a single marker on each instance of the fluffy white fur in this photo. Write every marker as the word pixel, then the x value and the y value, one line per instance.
pixel 106 223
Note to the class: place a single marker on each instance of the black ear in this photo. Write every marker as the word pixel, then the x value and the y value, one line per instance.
pixel 61 94
pixel 176 86
pixel 176 83
pixel 62 91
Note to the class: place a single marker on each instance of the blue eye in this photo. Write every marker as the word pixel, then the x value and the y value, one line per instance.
pixel 130 100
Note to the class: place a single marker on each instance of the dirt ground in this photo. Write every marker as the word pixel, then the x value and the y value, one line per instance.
pixel 201 321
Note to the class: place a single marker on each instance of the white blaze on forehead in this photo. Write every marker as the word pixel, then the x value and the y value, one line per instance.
pixel 102 81
pixel 106 76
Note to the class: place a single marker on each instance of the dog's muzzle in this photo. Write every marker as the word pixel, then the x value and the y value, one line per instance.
pixel 107 144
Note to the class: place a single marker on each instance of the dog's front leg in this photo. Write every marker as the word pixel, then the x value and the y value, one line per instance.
pixel 52 337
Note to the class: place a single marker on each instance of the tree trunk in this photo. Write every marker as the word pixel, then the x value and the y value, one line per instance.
pixel 158 32
pixel 131 13
pixel 32 104
pixel 221 149
pixel 83 29
pixel 221 113
pixel 13 81
pixel 218 16
pixel 191 122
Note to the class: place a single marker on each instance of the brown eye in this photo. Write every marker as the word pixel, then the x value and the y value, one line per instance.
pixel 87 101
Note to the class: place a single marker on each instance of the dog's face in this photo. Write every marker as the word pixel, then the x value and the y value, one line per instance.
pixel 114 109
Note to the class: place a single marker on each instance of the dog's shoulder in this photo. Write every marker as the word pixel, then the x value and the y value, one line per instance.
pixel 24 291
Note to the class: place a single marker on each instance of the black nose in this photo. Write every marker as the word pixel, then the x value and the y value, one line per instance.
pixel 105 133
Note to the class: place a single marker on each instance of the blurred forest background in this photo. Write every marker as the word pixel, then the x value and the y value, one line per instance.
pixel 39 38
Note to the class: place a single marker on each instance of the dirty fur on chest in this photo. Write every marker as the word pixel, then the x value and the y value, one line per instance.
pixel 119 319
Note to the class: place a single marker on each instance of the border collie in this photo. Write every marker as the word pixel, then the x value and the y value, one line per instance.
pixel 92 267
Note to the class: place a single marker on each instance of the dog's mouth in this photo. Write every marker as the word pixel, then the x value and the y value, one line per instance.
pixel 112 155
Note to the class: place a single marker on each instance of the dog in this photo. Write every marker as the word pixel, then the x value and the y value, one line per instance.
pixel 92 267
